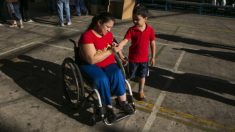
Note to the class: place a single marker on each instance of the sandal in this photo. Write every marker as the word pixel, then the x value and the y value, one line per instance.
pixel 141 96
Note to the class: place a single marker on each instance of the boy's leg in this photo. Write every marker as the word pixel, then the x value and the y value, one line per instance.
pixel 142 72
pixel 141 87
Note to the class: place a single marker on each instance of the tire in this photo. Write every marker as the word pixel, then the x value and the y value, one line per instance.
pixel 73 85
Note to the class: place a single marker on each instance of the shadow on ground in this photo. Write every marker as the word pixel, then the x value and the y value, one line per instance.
pixel 229 56
pixel 192 84
pixel 190 41
pixel 42 79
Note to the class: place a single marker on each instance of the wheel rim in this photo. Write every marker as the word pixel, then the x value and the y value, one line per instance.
pixel 71 83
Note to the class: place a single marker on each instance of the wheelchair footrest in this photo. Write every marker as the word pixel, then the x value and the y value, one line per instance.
pixel 121 116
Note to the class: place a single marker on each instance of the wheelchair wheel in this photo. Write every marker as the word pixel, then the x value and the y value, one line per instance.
pixel 119 63
pixel 73 84
pixel 129 94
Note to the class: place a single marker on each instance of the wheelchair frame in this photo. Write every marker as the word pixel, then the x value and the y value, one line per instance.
pixel 78 92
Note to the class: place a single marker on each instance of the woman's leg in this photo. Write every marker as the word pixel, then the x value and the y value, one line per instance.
pixel 99 80
pixel 117 81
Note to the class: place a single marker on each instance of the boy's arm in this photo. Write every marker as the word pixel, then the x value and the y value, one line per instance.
pixel 119 48
pixel 153 52
pixel 122 43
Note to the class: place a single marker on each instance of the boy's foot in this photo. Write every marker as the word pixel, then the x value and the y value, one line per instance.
pixel 110 115
pixel 127 108
pixel 141 96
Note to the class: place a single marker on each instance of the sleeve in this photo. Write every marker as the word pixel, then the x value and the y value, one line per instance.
pixel 86 39
pixel 152 35
pixel 128 34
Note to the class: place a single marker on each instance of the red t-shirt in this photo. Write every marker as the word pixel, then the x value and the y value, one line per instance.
pixel 100 43
pixel 140 40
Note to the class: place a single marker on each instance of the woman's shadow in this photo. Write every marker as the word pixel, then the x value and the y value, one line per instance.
pixel 42 79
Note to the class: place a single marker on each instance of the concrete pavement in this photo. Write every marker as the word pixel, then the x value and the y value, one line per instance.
pixel 190 89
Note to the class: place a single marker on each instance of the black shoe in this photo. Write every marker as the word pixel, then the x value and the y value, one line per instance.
pixel 110 115
pixel 127 108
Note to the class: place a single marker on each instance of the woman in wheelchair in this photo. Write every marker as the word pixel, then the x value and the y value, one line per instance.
pixel 99 67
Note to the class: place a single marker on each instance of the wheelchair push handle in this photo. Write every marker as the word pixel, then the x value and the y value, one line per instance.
pixel 74 42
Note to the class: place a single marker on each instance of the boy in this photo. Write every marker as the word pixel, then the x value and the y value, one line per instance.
pixel 141 35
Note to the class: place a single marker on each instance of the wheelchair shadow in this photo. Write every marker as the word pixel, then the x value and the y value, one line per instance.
pixel 42 79
pixel 192 84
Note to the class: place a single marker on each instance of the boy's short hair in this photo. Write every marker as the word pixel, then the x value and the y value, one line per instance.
pixel 140 10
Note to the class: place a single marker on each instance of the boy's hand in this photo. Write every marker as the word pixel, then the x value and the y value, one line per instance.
pixel 152 62
pixel 114 44
pixel 124 60
pixel 116 48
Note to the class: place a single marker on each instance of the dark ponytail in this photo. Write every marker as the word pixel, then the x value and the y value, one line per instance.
pixel 102 17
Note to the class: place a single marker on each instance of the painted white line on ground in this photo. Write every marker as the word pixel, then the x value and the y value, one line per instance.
pixel 53 26
pixel 161 97
pixel 56 46
pixel 12 50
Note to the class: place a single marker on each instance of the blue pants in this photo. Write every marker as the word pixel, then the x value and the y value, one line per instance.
pixel 14 10
pixel 63 5
pixel 80 7
pixel 106 80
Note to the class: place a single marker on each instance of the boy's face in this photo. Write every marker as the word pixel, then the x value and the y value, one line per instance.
pixel 139 20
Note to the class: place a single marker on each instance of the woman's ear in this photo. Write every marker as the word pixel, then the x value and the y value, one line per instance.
pixel 99 23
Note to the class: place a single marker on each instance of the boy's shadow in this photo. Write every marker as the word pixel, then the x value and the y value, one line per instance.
pixel 42 79
pixel 192 84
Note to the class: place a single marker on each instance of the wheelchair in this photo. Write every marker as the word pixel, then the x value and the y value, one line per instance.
pixel 79 93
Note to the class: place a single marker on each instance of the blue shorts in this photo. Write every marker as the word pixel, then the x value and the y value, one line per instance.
pixel 138 69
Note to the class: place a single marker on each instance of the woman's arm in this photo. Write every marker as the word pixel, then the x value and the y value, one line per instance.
pixel 92 56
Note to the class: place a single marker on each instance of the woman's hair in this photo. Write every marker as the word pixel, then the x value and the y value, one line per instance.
pixel 102 17
pixel 141 10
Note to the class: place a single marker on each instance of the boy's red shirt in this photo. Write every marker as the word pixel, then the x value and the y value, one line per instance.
pixel 140 40
pixel 100 44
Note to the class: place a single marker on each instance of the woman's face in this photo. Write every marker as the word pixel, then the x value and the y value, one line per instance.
pixel 105 27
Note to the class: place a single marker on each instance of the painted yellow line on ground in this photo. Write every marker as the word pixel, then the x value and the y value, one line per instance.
pixel 195 119
pixel 184 118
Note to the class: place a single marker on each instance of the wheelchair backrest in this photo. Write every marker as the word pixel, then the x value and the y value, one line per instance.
pixel 77 51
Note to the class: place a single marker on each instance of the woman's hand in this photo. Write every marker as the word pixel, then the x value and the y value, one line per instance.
pixel 116 48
